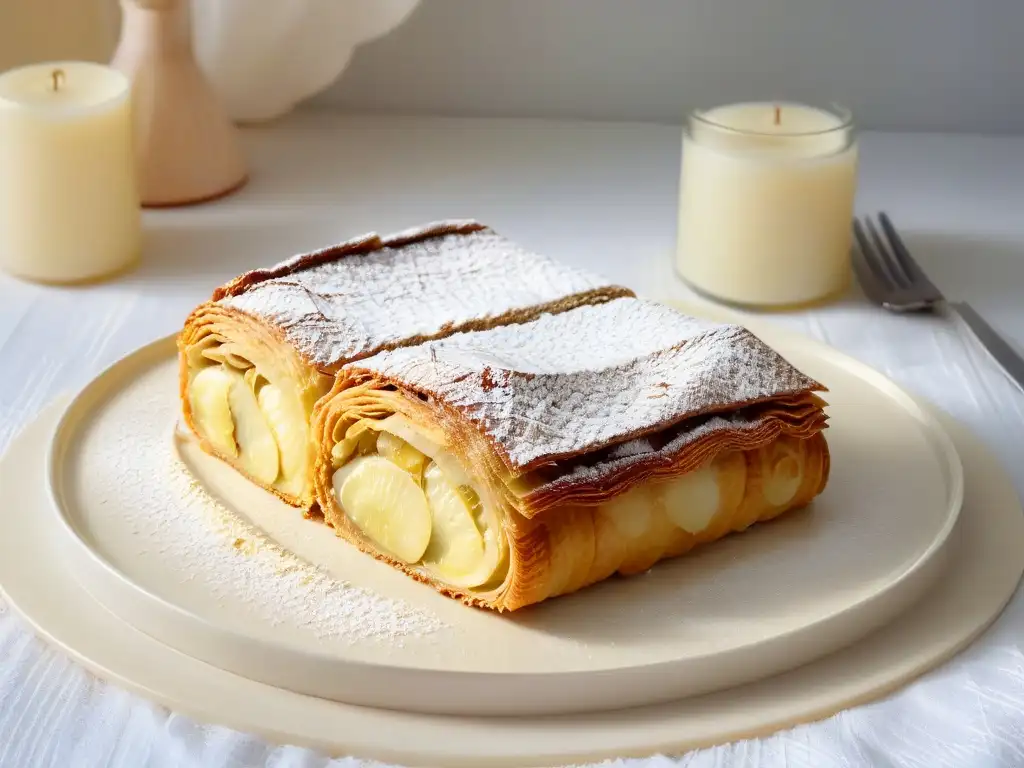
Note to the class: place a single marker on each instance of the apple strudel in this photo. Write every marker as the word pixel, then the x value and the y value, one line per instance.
pixel 511 465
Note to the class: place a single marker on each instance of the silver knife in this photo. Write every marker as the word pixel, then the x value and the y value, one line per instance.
pixel 997 347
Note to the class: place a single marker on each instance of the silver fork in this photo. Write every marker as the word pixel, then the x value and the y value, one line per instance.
pixel 890 277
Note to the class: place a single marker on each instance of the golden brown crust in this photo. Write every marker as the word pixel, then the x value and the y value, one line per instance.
pixel 573 548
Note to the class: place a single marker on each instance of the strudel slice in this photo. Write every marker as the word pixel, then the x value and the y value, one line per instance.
pixel 507 466
pixel 257 356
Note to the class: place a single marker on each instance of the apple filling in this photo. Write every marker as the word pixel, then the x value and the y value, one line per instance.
pixel 692 501
pixel 406 493
pixel 249 419
pixel 783 472
pixel 689 502
pixel 409 496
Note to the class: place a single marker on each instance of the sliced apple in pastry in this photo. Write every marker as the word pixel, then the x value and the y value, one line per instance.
pixel 257 449
pixel 227 414
pixel 208 396
pixel 457 549
pixel 386 504
pixel 287 420
pixel 691 500
pixel 399 452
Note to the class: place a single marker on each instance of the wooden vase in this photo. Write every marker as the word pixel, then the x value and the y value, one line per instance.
pixel 188 148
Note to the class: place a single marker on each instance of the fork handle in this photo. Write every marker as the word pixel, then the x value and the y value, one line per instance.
pixel 997 347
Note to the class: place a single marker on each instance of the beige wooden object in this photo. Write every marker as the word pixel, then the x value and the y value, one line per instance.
pixel 188 147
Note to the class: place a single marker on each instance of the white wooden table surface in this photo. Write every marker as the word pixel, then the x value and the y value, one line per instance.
pixel 597 195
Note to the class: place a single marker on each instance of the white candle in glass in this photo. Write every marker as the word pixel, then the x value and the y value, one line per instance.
pixel 766 200
pixel 69 203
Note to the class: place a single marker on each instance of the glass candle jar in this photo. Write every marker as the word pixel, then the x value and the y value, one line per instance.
pixel 766 202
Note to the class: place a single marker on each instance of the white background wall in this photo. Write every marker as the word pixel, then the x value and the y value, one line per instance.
pixel 900 64
pixel 947 65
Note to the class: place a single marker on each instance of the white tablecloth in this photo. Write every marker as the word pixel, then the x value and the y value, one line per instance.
pixel 597 195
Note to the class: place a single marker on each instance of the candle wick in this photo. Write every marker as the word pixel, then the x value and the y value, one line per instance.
pixel 778 115
pixel 58 78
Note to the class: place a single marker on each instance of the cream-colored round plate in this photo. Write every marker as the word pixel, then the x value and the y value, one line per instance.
pixel 985 564
pixel 768 600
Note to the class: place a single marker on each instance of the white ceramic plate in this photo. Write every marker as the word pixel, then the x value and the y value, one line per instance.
pixel 768 600
pixel 986 559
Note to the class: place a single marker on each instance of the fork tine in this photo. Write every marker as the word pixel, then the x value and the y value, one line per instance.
pixel 873 284
pixel 867 252
pixel 870 256
pixel 886 261
pixel 899 249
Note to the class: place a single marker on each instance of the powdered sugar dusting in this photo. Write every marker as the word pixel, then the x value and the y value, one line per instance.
pixel 355 305
pixel 574 382
pixel 197 541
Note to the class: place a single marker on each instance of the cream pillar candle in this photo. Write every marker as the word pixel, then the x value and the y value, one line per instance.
pixel 69 205
pixel 766 201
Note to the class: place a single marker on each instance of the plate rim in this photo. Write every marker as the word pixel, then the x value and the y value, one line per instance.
pixel 931 559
